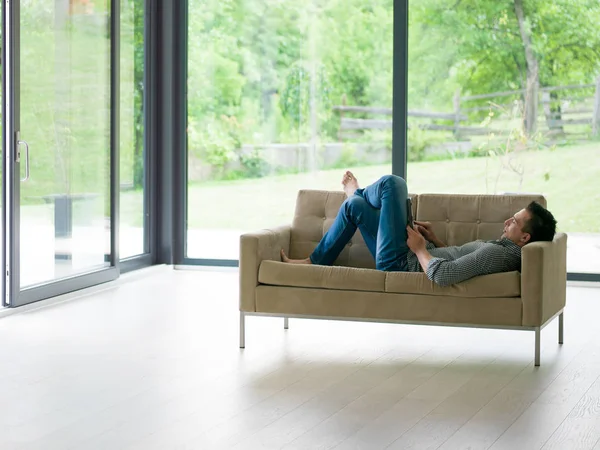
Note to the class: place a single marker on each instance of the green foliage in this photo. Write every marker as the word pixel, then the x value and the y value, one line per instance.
pixel 477 45
pixel 295 100
pixel 505 153
pixel 419 141
pixel 252 61
pixel 212 142
pixel 254 165
pixel 347 159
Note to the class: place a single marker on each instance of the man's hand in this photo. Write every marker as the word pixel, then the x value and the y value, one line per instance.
pixel 426 230
pixel 415 241
pixel 418 245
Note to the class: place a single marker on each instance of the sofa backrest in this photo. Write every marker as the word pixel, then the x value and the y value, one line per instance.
pixel 456 219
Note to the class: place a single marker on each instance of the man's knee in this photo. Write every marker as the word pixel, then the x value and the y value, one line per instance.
pixel 354 205
pixel 393 181
pixel 353 202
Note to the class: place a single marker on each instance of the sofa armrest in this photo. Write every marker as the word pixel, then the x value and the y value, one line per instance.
pixel 255 248
pixel 543 279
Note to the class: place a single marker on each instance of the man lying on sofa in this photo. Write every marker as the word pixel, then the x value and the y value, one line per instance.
pixel 379 211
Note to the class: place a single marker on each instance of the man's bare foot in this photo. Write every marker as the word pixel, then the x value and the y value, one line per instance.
pixel 350 183
pixel 285 259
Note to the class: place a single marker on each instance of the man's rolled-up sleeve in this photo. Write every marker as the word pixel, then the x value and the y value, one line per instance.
pixel 484 261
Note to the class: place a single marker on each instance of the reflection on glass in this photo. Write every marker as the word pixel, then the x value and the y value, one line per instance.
pixel 65 118
pixel 131 231
pixel 281 96
pixel 505 97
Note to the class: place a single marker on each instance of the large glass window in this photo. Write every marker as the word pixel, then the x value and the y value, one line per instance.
pixel 504 96
pixel 65 118
pixel 282 96
pixel 132 150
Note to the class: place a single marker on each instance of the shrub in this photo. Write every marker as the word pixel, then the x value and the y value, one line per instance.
pixel 211 143
pixel 254 165
pixel 418 140
pixel 347 158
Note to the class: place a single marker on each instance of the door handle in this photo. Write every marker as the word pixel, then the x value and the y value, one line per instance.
pixel 18 158
pixel 26 160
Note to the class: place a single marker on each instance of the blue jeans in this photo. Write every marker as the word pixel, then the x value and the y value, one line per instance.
pixel 379 212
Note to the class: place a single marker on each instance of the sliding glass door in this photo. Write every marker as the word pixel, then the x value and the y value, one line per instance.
pixel 59 177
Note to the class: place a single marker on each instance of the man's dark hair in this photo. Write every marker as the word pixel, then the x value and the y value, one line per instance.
pixel 542 225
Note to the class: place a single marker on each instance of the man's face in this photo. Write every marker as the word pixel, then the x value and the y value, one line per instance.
pixel 513 228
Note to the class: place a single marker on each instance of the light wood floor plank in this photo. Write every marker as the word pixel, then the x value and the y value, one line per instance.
pixel 581 428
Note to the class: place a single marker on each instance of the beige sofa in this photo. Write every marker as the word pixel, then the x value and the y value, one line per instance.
pixel 353 290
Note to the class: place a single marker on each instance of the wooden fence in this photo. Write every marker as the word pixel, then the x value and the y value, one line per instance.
pixel 562 111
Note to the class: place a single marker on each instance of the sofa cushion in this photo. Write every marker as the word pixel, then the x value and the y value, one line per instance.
pixel 383 306
pixel 355 279
pixel 507 284
pixel 314 276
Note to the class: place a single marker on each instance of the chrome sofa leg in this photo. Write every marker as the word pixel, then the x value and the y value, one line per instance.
pixel 561 326
pixel 286 323
pixel 537 346
pixel 242 330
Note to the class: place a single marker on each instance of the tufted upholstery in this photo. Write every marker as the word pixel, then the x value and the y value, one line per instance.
pixel 456 219
pixel 315 212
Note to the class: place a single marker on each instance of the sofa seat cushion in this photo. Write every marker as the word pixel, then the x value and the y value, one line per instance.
pixel 506 284
pixel 277 273
pixel 294 301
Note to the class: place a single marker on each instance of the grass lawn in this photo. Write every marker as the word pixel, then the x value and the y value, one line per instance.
pixel 569 177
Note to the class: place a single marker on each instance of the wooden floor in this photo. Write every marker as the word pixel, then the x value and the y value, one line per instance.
pixel 154 363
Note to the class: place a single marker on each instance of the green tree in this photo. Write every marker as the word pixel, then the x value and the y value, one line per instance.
pixel 499 45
